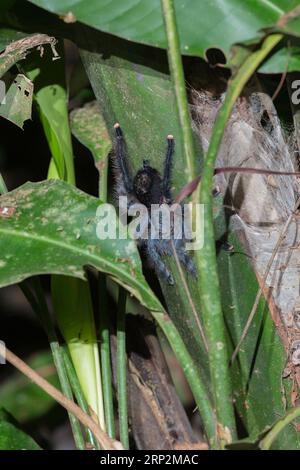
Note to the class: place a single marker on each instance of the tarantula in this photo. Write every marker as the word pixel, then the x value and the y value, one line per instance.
pixel 148 187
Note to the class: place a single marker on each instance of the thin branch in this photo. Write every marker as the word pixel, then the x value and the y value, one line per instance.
pixel 192 185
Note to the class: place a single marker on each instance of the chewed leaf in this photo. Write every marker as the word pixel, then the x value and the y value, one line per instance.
pixel 18 49
pixel 17 100
pixel 88 126
pixel 50 227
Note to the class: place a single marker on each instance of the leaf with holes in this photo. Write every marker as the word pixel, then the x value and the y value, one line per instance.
pixel 17 102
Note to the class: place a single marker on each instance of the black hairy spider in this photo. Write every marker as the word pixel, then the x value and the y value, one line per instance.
pixel 148 187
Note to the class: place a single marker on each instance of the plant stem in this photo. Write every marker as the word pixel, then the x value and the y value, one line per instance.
pixel 267 441
pixel 105 356
pixel 78 392
pixel 209 282
pixel 122 368
pixel 177 73
pixel 67 391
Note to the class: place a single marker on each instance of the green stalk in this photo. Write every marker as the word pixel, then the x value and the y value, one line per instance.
pixel 266 442
pixel 208 274
pixel 78 393
pixel 122 368
pixel 177 74
pixel 105 356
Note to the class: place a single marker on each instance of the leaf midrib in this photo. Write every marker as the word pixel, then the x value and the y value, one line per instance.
pixel 44 239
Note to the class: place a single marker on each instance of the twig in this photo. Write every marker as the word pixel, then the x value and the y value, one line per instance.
pixel 105 441
pixel 192 185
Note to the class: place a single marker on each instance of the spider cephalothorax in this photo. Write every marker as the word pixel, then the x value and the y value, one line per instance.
pixel 148 187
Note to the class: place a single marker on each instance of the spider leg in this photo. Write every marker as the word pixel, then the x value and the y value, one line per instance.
pixel 166 183
pixel 158 264
pixel 185 259
pixel 121 159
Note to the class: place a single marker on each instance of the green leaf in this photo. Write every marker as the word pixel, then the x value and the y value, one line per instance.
pixel 74 312
pixel 50 227
pixel 18 100
pixel 11 437
pixel 286 59
pixel 202 25
pixel 89 128
pixel 9 35
pixel 24 399
pixel 51 96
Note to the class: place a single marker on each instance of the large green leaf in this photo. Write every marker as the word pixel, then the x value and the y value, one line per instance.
pixel 202 25
pixel 13 438
pixel 50 227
